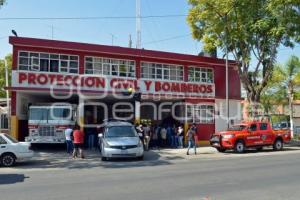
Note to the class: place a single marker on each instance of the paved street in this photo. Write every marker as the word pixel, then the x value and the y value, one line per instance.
pixel 166 174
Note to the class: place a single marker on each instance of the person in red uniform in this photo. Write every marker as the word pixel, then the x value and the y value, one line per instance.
pixel 78 137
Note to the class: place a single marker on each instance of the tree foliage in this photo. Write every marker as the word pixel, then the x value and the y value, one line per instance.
pixel 284 85
pixel 252 31
pixel 2 74
pixel 2 2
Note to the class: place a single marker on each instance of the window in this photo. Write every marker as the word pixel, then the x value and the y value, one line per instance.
pixel 120 131
pixel 203 75
pixel 263 126
pixel 2 141
pixel 200 113
pixel 45 62
pixel 253 127
pixel 11 139
pixel 4 121
pixel 106 66
pixel 162 71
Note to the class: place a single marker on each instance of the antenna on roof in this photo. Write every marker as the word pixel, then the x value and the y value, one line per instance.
pixel 130 41
pixel 138 24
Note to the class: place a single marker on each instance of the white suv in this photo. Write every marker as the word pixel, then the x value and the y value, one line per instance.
pixel 12 150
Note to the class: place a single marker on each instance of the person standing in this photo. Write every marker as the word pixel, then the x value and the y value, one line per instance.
pixel 159 139
pixel 78 136
pixel 180 136
pixel 191 140
pixel 68 135
pixel 147 133
pixel 99 131
pixel 163 134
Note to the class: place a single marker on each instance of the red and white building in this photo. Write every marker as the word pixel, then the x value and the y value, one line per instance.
pixel 45 71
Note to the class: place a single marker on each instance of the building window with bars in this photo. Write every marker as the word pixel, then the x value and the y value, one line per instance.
pixel 110 67
pixel 4 121
pixel 199 113
pixel 161 71
pixel 48 62
pixel 200 74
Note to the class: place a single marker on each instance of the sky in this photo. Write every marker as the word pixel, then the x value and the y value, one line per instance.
pixel 170 34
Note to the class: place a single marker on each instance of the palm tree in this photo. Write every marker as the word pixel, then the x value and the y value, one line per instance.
pixel 287 78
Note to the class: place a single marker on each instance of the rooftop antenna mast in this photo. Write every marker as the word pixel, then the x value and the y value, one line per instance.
pixel 138 24
pixel 130 42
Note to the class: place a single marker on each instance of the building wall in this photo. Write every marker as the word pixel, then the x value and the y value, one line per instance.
pixel 22 99
pixel 235 113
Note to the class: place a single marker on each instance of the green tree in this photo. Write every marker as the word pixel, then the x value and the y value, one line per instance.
pixel 251 31
pixel 2 3
pixel 285 81
pixel 2 74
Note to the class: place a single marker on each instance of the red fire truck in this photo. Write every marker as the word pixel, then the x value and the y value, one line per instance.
pixel 47 122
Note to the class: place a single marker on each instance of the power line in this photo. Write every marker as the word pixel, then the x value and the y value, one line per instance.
pixel 166 39
pixel 89 18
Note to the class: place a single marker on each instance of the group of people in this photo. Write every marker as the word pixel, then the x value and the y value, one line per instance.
pixel 74 141
pixel 152 137
pixel 166 136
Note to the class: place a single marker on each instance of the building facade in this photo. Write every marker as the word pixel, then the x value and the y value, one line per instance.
pixel 173 87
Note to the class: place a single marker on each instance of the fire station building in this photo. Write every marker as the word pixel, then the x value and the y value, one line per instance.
pixel 173 87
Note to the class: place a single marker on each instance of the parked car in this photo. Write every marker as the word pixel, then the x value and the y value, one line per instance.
pixel 250 135
pixel 12 150
pixel 120 139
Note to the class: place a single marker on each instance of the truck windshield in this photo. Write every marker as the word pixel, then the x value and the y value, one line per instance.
pixel 121 131
pixel 50 113
pixel 38 114
pixel 237 128
pixel 60 113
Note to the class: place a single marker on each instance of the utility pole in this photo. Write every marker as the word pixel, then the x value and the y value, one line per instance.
pixel 130 42
pixel 7 93
pixel 138 24
pixel 52 32
pixel 112 39
pixel 226 66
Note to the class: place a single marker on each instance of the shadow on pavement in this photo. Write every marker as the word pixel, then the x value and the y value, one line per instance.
pixel 265 150
pixel 11 178
pixel 53 159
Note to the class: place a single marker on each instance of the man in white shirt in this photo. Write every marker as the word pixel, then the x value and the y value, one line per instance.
pixel 69 143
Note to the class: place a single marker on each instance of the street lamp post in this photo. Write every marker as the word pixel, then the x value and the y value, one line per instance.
pixel 7 93
pixel 290 94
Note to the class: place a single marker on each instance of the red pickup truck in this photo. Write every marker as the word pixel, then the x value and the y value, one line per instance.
pixel 250 135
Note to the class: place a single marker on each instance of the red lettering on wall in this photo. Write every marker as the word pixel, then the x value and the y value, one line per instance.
pixel 51 78
pixel 157 86
pixel 68 80
pixel 166 87
pixel 42 79
pixel 31 79
pixel 59 79
pixel 209 89
pixel 175 87
pixel 90 81
pixel 22 77
pixel 100 82
pixel 148 84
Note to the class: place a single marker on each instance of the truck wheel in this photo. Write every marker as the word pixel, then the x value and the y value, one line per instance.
pixel 8 159
pixel 221 150
pixel 278 145
pixel 239 147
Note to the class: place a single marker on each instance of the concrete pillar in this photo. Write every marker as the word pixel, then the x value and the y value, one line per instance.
pixel 137 112
pixel 80 117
